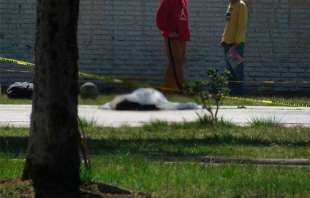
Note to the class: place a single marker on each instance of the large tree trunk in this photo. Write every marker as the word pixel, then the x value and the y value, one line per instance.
pixel 53 161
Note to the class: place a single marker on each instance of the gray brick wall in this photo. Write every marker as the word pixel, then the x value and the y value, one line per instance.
pixel 119 37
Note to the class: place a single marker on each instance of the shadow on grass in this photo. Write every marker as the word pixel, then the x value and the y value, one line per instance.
pixel 150 147
pixel 13 145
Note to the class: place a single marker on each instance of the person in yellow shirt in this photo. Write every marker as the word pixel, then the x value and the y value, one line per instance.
pixel 235 36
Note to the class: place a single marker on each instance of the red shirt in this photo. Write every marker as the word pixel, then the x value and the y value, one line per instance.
pixel 172 16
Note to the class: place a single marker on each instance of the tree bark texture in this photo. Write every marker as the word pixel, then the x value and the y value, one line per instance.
pixel 53 161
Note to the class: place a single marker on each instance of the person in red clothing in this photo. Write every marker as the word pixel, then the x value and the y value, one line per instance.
pixel 172 21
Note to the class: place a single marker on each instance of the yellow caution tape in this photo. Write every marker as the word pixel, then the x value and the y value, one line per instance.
pixel 82 74
pixel 249 99
pixel 269 102
pixel 115 80
pixel 131 83
pixel 18 62
pixel 269 82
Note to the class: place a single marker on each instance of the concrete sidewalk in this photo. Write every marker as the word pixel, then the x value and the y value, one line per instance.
pixel 19 115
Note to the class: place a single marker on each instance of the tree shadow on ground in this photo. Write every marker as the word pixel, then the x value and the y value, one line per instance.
pixel 150 147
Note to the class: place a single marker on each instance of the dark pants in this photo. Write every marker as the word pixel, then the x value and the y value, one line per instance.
pixel 237 74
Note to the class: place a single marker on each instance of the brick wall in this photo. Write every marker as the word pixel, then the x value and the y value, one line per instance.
pixel 119 37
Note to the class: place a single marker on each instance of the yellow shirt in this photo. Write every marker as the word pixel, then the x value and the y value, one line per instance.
pixel 236 23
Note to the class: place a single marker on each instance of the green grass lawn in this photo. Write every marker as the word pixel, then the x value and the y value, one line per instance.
pixel 186 179
pixel 246 100
pixel 164 160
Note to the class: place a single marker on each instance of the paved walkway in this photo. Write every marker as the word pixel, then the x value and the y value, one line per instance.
pixel 19 115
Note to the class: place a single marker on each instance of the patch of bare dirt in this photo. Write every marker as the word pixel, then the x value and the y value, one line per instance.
pixel 23 189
